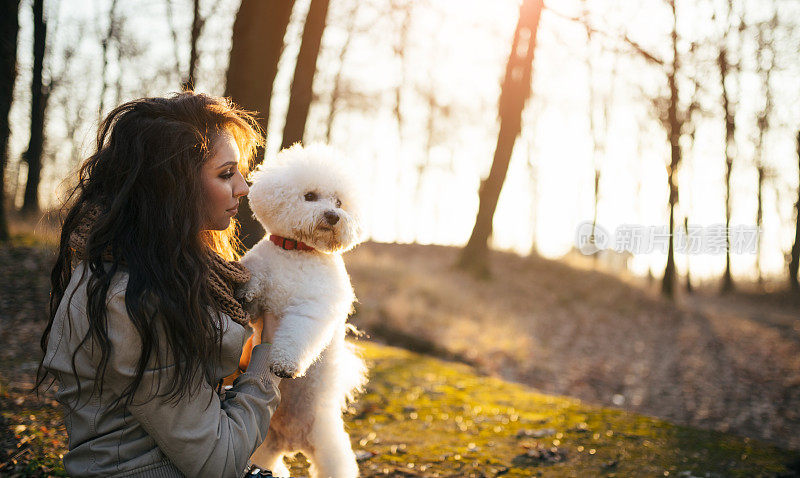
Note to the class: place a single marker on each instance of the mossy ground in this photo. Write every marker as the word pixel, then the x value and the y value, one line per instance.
pixel 419 416
pixel 422 416
pixel 425 417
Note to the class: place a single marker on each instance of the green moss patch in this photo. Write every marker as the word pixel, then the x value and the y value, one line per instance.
pixel 422 416
pixel 426 417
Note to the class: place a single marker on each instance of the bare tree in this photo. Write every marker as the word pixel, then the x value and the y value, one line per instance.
pixel 727 71
pixel 406 9
pixel 531 116
pixel 115 39
pixel 110 35
pixel 671 116
pixel 301 92
pixel 690 129
pixel 794 263
pixel 689 286
pixel 402 13
pixel 256 48
pixel 198 24
pixel 173 29
pixel 598 129
pixel 72 98
pixel 674 124
pixel 130 51
pixel 336 93
pixel 765 64
pixel 437 112
pixel 9 29
pixel 39 96
pixel 516 89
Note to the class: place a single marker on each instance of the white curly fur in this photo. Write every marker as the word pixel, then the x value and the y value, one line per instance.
pixel 310 295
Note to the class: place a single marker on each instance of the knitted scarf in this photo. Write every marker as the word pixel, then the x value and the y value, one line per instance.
pixel 223 276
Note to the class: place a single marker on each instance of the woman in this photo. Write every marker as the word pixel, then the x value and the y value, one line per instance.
pixel 143 322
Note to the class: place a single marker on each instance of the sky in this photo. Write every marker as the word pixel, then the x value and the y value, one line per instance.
pixel 456 54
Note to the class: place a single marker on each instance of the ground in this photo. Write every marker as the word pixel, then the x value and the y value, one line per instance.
pixel 729 363
pixel 575 333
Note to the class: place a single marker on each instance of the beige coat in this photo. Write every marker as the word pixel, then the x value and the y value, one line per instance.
pixel 204 434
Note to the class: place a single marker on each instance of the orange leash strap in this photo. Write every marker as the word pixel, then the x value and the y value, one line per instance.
pixel 247 351
pixel 244 361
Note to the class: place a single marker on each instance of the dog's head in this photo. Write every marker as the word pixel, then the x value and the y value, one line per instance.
pixel 307 194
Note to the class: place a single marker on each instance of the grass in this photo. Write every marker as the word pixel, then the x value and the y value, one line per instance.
pixel 422 416
pixel 725 363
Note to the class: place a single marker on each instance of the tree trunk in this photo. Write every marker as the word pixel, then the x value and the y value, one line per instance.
pixel 175 42
pixel 400 48
pixel 759 221
pixel 596 137
pixel 515 91
pixel 794 264
pixel 256 48
pixel 689 286
pixel 765 59
pixel 33 156
pixel 674 127
pixel 9 28
pixel 302 89
pixel 730 125
pixel 188 83
pixel 405 8
pixel 110 34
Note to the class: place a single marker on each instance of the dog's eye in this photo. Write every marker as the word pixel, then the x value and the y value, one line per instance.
pixel 338 202
pixel 311 196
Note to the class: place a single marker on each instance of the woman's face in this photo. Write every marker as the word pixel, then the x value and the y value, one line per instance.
pixel 223 184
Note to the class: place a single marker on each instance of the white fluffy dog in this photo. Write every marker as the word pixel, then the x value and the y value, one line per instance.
pixel 309 207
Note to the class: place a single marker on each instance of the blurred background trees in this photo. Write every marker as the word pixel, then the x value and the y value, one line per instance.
pixel 9 28
pixel 40 93
pixel 256 49
pixel 301 92
pixel 515 90
pixel 680 113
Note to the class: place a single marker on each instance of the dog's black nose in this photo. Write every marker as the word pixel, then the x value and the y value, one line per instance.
pixel 331 217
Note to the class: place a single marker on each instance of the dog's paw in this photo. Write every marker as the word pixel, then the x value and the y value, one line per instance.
pixel 247 293
pixel 285 370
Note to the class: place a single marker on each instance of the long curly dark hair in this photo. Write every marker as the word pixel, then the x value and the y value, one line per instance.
pixel 144 177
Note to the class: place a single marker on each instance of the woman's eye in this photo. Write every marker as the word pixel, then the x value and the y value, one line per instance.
pixel 226 175
pixel 311 196
pixel 338 203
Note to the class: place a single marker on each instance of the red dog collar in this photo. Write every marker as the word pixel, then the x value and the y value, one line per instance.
pixel 289 244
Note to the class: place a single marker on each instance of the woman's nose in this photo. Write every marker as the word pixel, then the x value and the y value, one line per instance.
pixel 242 188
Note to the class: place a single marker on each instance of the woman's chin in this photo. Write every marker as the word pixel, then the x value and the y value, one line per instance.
pixel 219 225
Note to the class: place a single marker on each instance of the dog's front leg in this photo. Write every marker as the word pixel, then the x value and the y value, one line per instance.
pixel 302 334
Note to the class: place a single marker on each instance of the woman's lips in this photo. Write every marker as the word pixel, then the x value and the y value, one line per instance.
pixel 233 211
